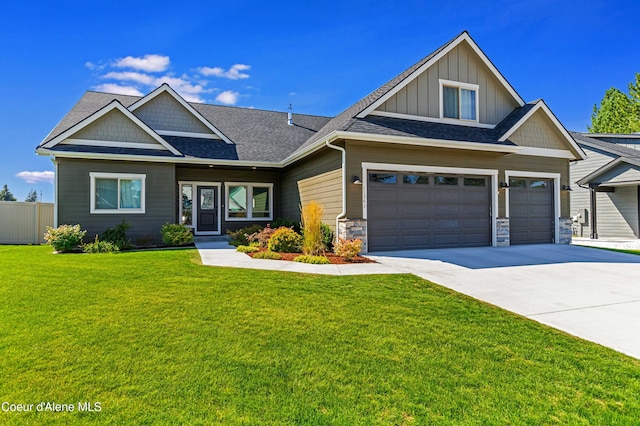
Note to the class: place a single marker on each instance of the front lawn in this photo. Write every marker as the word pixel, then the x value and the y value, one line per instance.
pixel 156 338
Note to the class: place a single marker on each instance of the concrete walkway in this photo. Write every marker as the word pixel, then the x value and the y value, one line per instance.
pixel 220 253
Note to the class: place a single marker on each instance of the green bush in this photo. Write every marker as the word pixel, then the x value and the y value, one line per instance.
pixel 176 234
pixel 240 237
pixel 117 235
pixel 64 238
pixel 247 249
pixel 348 249
pixel 285 240
pixel 316 260
pixel 267 255
pixel 327 236
pixel 287 223
pixel 100 247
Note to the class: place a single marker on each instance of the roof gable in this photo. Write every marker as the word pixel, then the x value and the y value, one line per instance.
pixel 112 126
pixel 459 63
pixel 453 59
pixel 539 128
pixel 163 107
pixel 619 172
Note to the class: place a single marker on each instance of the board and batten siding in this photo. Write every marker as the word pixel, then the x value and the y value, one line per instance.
pixel 222 175
pixel 318 178
pixel 359 152
pixel 74 198
pixel 580 197
pixel 421 96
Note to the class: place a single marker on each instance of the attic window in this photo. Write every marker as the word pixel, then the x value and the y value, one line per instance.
pixel 458 101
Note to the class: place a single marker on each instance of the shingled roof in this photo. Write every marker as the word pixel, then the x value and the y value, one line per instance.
pixel 597 142
pixel 257 135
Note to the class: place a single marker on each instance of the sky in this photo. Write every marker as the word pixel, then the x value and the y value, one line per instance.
pixel 319 56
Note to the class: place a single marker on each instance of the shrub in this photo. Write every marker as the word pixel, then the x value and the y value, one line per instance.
pixel 316 260
pixel 285 240
pixel 312 229
pixel 267 255
pixel 239 237
pixel 247 249
pixel 64 238
pixel 100 247
pixel 117 235
pixel 287 223
pixel 176 234
pixel 261 238
pixel 327 236
pixel 348 249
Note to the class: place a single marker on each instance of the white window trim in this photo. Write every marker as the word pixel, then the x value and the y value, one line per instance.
pixel 556 194
pixel 118 176
pixel 194 217
pixel 492 173
pixel 459 85
pixel 250 186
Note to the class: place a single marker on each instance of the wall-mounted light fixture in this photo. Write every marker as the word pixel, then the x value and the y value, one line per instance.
pixel 504 185
pixel 566 188
pixel 356 180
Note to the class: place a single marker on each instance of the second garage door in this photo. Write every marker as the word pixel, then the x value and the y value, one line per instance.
pixel 531 211
pixel 412 211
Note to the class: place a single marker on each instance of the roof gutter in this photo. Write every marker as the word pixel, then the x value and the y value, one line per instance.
pixel 343 213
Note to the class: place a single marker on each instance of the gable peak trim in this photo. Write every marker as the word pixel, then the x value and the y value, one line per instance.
pixel 113 105
pixel 165 88
pixel 442 52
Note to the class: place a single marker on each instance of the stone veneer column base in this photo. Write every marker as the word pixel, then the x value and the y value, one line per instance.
pixel 349 229
pixel 565 230
pixel 502 232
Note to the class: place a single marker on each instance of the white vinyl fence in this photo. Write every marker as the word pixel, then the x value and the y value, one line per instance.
pixel 24 223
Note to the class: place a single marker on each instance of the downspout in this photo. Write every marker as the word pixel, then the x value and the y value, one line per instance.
pixel 343 213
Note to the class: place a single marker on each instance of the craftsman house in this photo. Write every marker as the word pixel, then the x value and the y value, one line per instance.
pixel 446 154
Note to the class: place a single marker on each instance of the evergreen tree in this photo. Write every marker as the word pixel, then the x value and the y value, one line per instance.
pixel 618 112
pixel 6 195
pixel 32 197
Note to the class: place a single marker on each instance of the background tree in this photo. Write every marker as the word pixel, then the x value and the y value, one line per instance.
pixel 6 195
pixel 618 112
pixel 32 197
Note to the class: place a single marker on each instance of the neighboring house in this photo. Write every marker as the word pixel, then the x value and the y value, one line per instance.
pixel 446 154
pixel 606 186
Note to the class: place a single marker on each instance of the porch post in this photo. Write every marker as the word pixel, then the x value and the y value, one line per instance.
pixel 594 222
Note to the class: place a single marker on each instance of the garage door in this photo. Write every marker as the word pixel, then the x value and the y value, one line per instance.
pixel 411 211
pixel 531 217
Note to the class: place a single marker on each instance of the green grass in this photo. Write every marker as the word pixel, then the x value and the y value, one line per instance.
pixel 157 338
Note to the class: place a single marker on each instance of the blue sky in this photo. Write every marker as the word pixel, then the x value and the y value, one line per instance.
pixel 320 56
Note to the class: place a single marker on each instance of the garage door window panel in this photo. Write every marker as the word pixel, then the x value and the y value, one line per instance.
pixel 382 178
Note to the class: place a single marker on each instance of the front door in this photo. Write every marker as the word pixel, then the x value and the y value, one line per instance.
pixel 207 209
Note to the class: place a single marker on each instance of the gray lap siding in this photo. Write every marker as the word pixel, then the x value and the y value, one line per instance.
pixel 74 197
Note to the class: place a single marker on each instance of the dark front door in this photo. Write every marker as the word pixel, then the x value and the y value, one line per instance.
pixel 207 209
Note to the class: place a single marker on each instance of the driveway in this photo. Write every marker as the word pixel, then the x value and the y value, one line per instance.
pixel 590 293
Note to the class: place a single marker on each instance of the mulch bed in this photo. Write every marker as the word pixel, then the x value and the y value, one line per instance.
pixel 335 260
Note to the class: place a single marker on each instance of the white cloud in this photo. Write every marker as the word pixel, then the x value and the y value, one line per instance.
pixel 94 67
pixel 118 89
pixel 149 63
pixel 36 177
pixel 234 73
pixel 228 97
pixel 138 77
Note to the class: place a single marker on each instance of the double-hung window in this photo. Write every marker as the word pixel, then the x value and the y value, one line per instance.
pixel 117 193
pixel 249 201
pixel 458 101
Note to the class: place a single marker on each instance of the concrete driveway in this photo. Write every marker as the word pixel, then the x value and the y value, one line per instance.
pixel 590 293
